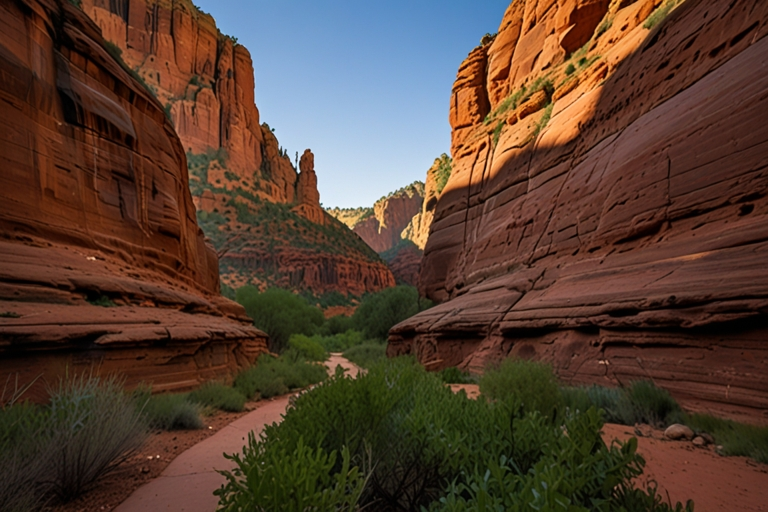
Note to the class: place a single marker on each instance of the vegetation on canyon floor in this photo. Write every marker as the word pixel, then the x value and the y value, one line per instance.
pixel 397 439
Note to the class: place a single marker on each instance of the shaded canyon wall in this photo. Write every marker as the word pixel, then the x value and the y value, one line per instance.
pixel 607 209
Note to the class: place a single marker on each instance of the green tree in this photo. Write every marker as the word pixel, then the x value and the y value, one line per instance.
pixel 380 311
pixel 279 313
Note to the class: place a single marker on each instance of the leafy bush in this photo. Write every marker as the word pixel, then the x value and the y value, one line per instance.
pixel 366 354
pixel 528 385
pixel 277 478
pixel 379 312
pixel 279 313
pixel 308 348
pixel 92 426
pixel 443 166
pixel 171 412
pixel 214 394
pixel 736 438
pixel 644 402
pixel 600 397
pixel 570 69
pixel 416 444
pixel 275 376
pixel 336 325
pixel 453 375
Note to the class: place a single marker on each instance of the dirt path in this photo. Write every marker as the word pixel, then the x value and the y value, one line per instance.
pixel 187 484
pixel 682 471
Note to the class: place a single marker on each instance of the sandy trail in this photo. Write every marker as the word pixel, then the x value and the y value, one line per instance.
pixel 187 484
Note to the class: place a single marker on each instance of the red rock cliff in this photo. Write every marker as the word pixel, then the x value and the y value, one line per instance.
pixel 607 210
pixel 249 194
pixel 95 211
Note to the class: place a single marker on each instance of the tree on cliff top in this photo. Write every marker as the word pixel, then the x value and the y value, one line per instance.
pixel 279 313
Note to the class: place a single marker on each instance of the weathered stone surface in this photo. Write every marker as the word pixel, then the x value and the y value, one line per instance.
pixel 626 238
pixel 95 206
pixel 678 431
pixel 238 169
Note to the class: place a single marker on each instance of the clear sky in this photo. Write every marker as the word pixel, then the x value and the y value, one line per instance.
pixel 365 84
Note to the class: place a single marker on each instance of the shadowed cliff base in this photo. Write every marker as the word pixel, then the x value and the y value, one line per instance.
pixel 623 238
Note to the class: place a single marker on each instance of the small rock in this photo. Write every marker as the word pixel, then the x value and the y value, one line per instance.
pixel 708 438
pixel 678 431
pixel 144 469
pixel 699 441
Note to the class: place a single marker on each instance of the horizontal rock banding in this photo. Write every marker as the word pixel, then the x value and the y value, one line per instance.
pixel 622 238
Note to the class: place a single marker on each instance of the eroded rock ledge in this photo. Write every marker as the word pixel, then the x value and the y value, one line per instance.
pixel 625 237
pixel 95 211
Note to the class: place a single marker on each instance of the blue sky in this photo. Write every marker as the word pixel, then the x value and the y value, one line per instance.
pixel 366 85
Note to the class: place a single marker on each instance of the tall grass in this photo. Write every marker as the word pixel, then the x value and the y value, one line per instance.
pixel 366 354
pixel 215 394
pixel 171 412
pixel 735 438
pixel 276 376
pixel 526 385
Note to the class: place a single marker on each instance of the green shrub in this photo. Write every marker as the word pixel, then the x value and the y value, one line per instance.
pixel 171 412
pixel 215 394
pixel 379 312
pixel 341 341
pixel 453 375
pixel 275 376
pixel 644 402
pixel 528 385
pixel 279 313
pixel 418 446
pixel 570 69
pixel 336 325
pixel 92 427
pixel 308 348
pixel 366 354
pixel 600 397
pixel 22 463
pixel 276 478
pixel 735 438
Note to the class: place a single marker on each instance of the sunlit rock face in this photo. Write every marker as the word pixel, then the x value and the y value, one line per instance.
pixel 617 228
pixel 260 213
pixel 102 263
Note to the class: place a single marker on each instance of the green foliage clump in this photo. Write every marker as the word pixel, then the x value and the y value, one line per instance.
pixel 528 385
pixel 570 69
pixel 443 167
pixel 453 375
pixel 418 446
pixel 307 347
pixel 90 426
pixel 215 394
pixel 279 313
pixel 169 411
pixel 603 27
pixel 380 311
pixel 9 314
pixel 100 300
pixel 272 376
pixel 545 117
pixel 366 354
pixel 336 325
pixel 735 438
pixel 660 14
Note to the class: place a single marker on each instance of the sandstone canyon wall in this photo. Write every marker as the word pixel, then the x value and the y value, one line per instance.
pixel 262 215
pixel 101 259
pixel 608 209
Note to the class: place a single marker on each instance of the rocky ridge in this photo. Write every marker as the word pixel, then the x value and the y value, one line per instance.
pixel 607 206
pixel 102 263
pixel 261 215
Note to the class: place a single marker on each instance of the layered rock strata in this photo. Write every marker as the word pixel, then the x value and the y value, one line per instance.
pixel 618 229
pixel 102 263
pixel 244 183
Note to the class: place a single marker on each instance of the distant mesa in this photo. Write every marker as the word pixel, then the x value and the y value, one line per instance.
pixel 606 210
